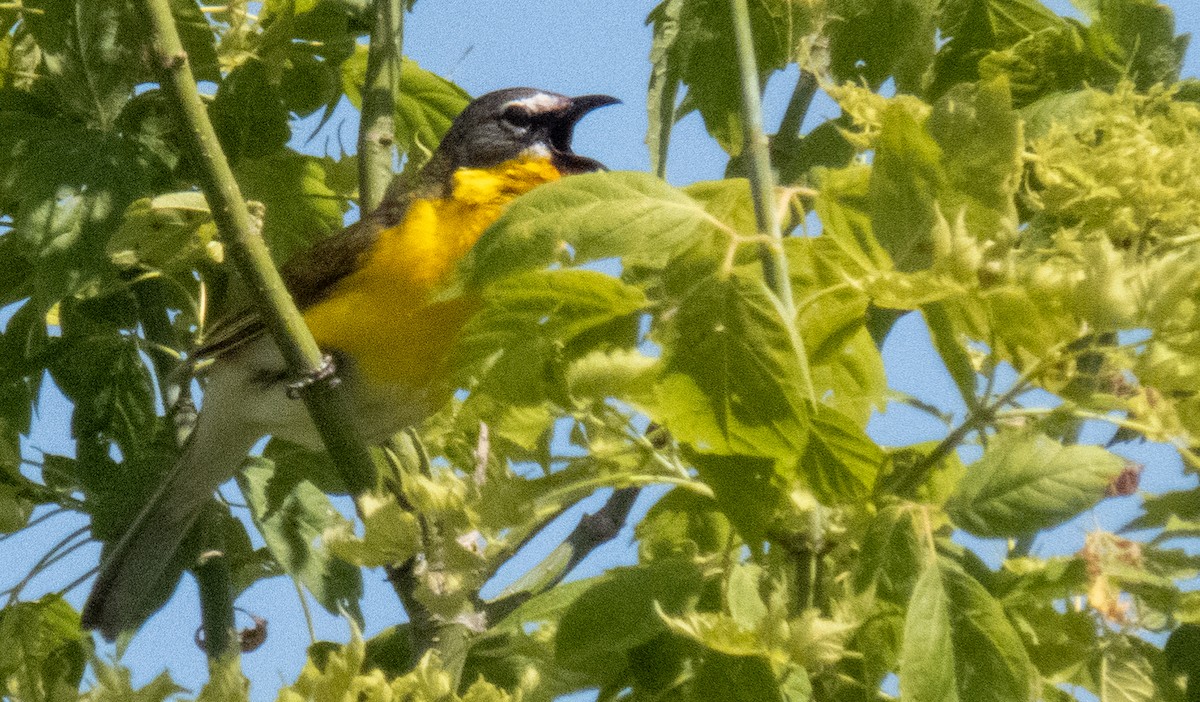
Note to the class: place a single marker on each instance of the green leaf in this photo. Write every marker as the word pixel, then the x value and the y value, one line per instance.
pixel 1024 326
pixel 1136 39
pixel 982 153
pixel 634 216
pixel 870 41
pixel 663 90
pixel 938 483
pixel 392 535
pixel 1182 651
pixel 170 233
pixel 840 462
pixel 92 51
pixel 682 523
pixel 958 643
pixel 248 113
pixel 618 612
pixel 825 146
pixel 103 373
pixel 1124 674
pixel 976 27
pixel 890 557
pixel 1158 510
pixel 43 651
pixel 844 205
pixel 927 657
pixel 951 346
pixel 391 650
pixel 731 379
pixel 905 181
pixel 1026 482
pixel 1033 581
pixel 65 187
pixel 114 683
pixel 729 200
pixel 621 373
pixel 298 193
pixel 716 631
pixel 16 503
pixel 1045 64
pixel 742 596
pixel 741 679
pixel 198 39
pixel 991 664
pixel 878 641
pixel 548 606
pixel 533 319
pixel 693 45
pixel 292 526
pixel 746 488
pixel 426 104
pixel 847 369
pixel 1059 643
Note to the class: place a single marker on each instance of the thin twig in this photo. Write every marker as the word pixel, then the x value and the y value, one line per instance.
pixel 593 531
pixel 304 608
pixel 977 418
pixel 54 512
pixel 59 551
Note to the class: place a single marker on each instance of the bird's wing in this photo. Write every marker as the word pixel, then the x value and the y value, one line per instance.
pixel 309 276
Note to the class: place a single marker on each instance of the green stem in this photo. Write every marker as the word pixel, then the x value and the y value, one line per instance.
pixel 428 631
pixel 377 127
pixel 1150 433
pixel 762 188
pixel 762 179
pixel 308 620
pixel 215 582
pixel 326 401
pixel 977 418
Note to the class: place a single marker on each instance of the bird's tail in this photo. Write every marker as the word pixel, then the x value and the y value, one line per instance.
pixel 142 569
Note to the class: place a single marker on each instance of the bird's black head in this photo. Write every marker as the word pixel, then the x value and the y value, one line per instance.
pixel 514 122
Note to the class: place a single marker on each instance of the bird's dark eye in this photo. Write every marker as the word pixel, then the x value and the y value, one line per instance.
pixel 518 116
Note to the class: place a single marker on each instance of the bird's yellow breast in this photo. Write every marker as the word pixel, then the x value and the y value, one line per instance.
pixel 383 314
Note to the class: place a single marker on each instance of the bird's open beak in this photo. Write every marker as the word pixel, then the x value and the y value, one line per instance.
pixel 566 160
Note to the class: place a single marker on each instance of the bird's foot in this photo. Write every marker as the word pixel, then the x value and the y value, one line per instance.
pixel 327 372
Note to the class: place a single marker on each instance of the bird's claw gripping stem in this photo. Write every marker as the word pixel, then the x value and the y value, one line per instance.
pixel 327 372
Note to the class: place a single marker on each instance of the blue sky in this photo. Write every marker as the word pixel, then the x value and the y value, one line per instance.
pixel 584 46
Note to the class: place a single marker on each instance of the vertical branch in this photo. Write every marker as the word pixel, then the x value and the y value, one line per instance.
pixel 215 582
pixel 377 128
pixel 762 179
pixel 326 402
pixel 762 188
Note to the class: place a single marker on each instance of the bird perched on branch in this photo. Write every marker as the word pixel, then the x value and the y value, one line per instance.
pixel 369 295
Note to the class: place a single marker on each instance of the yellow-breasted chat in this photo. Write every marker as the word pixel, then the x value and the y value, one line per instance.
pixel 370 296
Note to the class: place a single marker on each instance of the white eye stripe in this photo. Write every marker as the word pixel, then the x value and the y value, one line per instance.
pixel 541 102
pixel 538 150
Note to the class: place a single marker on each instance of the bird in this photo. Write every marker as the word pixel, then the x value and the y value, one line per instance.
pixel 369 294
